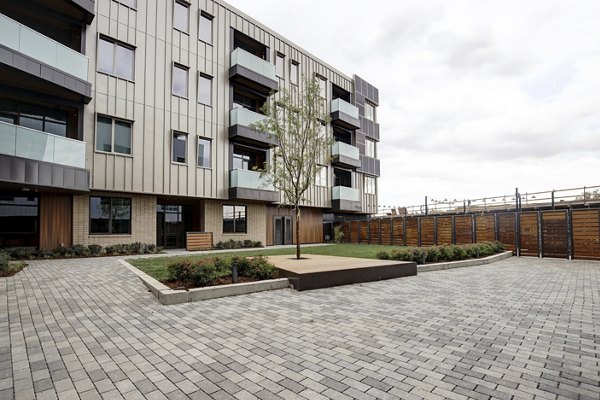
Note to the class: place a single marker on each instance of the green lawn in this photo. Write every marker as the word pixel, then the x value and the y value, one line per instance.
pixel 157 266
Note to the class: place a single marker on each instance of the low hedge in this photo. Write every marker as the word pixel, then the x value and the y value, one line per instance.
pixel 79 250
pixel 432 254
pixel 4 262
pixel 237 244
pixel 201 272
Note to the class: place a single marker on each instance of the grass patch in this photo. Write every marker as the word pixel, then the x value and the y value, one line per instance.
pixel 156 267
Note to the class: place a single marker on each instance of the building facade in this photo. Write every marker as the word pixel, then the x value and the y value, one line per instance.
pixel 128 121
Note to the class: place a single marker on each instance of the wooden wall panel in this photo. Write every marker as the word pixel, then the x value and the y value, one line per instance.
pixel 412 231
pixel 444 230
pixel 386 231
pixel 364 232
pixel 463 229
pixel 554 234
pixel 485 229
pixel 427 231
pixel 311 224
pixel 586 234
pixel 354 231
pixel 398 231
pixel 56 221
pixel 346 230
pixel 506 230
pixel 528 223
pixel 374 230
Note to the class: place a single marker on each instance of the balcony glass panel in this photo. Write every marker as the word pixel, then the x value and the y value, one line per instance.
pixel 344 149
pixel 345 193
pixel 244 117
pixel 344 107
pixel 241 57
pixel 36 145
pixel 244 178
pixel 25 40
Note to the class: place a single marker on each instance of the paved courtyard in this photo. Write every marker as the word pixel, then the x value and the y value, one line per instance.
pixel 520 328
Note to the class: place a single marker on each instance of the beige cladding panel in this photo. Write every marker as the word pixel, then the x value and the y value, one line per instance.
pixel 147 100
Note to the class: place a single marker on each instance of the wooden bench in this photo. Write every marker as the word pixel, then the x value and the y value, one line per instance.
pixel 199 241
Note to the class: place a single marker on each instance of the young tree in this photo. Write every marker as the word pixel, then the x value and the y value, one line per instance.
pixel 295 121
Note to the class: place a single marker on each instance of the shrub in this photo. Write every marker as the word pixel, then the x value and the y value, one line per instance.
pixel 180 270
pixel 23 253
pixel 261 268
pixel 203 272
pixel 4 264
pixel 242 263
pixel 442 253
pixel 136 248
pixel 237 244
pixel 79 250
pixel 383 255
pixel 338 234
pixel 94 250
pixel 44 254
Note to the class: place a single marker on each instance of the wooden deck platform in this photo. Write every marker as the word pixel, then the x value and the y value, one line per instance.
pixel 316 271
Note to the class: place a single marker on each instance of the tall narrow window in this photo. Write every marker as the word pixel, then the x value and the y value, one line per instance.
pixel 280 65
pixel 110 215
pixel 369 111
pixel 179 147
pixel 115 58
pixel 234 219
pixel 180 80
pixel 370 148
pixel 369 185
pixel 294 67
pixel 205 27
pixel 204 150
pixel 113 135
pixel 322 86
pixel 321 178
pixel 181 17
pixel 205 89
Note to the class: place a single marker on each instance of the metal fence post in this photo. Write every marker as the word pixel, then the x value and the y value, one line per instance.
pixel 540 236
pixel 569 234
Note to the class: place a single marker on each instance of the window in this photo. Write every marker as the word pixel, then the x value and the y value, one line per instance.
pixel 234 219
pixel 204 146
pixel 321 178
pixel 322 86
pixel 294 67
pixel 180 80
pixel 179 147
pixel 205 89
pixel 369 148
pixel 115 58
pixel 113 135
pixel 205 27
pixel 369 111
pixel 181 18
pixel 369 185
pixel 247 158
pixel 280 65
pixel 128 3
pixel 110 215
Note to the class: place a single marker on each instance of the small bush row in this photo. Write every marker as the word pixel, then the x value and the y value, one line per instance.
pixel 237 244
pixel 4 265
pixel 204 271
pixel 433 254
pixel 79 250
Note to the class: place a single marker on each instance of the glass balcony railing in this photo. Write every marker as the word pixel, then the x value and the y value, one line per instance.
pixel 344 149
pixel 27 41
pixel 344 107
pixel 241 57
pixel 345 193
pixel 36 145
pixel 244 117
pixel 247 179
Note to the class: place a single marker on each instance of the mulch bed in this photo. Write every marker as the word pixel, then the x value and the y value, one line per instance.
pixel 185 285
pixel 14 269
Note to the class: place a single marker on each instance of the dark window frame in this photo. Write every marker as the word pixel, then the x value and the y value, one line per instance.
pixel 110 217
pixel 115 43
pixel 187 135
pixel 202 75
pixel 211 18
pixel 235 231
pixel 112 136
pixel 210 141
pixel 187 6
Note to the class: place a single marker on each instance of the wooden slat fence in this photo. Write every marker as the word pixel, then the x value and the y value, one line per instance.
pixel 567 233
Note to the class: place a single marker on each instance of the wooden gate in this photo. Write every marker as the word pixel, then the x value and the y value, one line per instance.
pixel 506 230
pixel 586 234
pixel 555 234
pixel 528 223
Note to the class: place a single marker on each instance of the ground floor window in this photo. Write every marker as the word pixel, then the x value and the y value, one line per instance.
pixel 18 220
pixel 110 215
pixel 234 219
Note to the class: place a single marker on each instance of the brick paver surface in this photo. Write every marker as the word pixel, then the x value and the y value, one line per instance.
pixel 521 328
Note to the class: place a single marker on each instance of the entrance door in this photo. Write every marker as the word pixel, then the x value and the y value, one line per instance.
pixel 282 230
pixel 171 225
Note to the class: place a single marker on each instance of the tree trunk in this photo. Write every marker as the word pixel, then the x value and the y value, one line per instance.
pixel 297 232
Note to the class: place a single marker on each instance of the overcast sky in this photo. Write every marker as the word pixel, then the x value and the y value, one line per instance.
pixel 476 97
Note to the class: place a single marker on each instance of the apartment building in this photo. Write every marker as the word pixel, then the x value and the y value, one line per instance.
pixel 128 121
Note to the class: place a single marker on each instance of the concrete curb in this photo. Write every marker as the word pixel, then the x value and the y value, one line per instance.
pixel 168 296
pixel 464 263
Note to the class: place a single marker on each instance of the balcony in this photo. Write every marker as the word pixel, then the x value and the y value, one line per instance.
pixel 25 40
pixel 252 71
pixel 33 157
pixel 344 114
pixel 345 199
pixel 345 155
pixel 249 185
pixel 240 120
